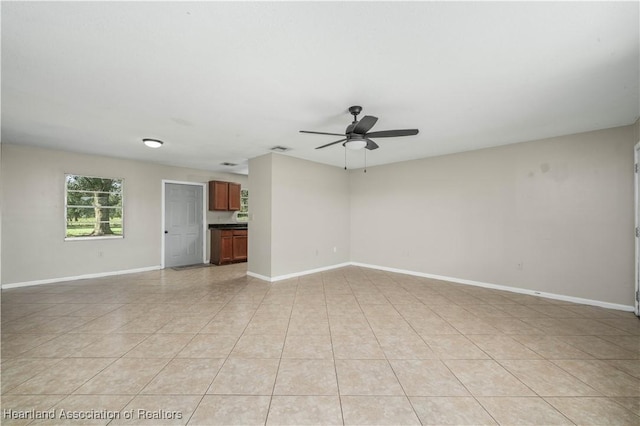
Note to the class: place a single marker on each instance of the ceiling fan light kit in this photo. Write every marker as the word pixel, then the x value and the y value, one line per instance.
pixel 355 144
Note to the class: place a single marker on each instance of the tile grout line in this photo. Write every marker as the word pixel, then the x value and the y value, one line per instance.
pixel 275 379
pixel 174 357
pixel 386 358
pixel 333 354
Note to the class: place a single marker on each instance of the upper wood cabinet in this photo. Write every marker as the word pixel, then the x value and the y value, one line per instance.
pixel 218 195
pixel 224 195
pixel 234 196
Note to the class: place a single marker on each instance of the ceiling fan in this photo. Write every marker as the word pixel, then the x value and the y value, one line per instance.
pixel 356 136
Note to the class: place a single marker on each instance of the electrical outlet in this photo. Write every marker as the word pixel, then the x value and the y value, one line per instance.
pixel 335 249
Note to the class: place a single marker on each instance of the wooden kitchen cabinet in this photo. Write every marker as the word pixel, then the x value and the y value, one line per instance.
pixel 229 246
pixel 224 195
pixel 218 195
pixel 234 196
pixel 240 245
pixel 225 252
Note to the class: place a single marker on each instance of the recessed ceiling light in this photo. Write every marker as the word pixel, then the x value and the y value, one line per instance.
pixel 280 149
pixel 152 143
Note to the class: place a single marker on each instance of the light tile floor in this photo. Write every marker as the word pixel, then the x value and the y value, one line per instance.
pixel 349 346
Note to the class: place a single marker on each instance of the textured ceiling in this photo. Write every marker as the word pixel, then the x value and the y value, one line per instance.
pixel 227 81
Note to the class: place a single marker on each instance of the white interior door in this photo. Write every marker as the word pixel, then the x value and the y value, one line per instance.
pixel 637 217
pixel 183 221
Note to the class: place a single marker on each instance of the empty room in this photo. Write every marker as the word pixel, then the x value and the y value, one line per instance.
pixel 305 213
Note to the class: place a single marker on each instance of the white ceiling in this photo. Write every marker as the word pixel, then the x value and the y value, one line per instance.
pixel 227 81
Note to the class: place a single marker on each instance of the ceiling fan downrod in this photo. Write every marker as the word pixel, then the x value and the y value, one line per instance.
pixel 355 110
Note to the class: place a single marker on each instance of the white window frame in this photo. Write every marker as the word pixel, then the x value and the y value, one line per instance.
pixel 66 206
pixel 247 212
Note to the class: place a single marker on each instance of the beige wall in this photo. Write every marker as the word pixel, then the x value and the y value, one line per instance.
pixel 310 215
pixel 33 246
pixel 554 215
pixel 301 215
pixel 260 190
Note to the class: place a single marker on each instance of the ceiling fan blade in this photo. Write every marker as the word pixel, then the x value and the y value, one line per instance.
pixel 392 133
pixel 371 145
pixel 332 143
pixel 365 124
pixel 322 133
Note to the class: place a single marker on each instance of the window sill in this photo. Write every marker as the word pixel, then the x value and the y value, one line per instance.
pixel 114 237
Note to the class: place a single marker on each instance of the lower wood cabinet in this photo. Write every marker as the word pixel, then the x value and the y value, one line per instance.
pixel 229 245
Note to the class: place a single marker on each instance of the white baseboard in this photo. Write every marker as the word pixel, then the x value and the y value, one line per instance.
pixel 297 274
pixel 80 277
pixel 258 276
pixel 599 303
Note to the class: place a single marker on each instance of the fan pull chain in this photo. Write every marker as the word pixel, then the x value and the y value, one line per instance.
pixel 345 158
pixel 365 160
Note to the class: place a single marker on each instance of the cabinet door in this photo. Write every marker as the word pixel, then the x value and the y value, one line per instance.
pixel 216 246
pixel 234 196
pixel 226 249
pixel 218 195
pixel 240 247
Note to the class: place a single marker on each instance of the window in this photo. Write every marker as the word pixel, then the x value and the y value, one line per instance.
pixel 93 207
pixel 243 214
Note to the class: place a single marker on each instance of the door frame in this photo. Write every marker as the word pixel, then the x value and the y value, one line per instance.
pixel 204 217
pixel 636 211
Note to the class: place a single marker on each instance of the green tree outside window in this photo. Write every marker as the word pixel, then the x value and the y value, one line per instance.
pixel 243 214
pixel 93 207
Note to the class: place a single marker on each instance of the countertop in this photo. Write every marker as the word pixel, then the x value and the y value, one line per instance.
pixel 228 226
